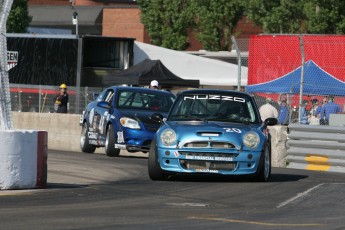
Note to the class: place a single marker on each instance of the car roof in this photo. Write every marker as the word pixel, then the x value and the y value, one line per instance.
pixel 215 91
pixel 140 89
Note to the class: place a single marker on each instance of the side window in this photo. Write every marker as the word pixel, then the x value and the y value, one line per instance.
pixel 108 96
pixel 124 99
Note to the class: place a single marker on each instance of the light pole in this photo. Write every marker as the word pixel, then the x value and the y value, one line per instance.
pixel 75 21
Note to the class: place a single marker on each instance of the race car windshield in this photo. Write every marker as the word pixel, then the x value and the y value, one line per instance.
pixel 207 107
pixel 145 101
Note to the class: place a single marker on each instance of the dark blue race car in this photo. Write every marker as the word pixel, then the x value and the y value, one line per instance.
pixel 119 118
pixel 212 132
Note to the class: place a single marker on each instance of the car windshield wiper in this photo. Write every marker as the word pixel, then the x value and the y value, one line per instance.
pixel 244 121
pixel 179 115
pixel 187 117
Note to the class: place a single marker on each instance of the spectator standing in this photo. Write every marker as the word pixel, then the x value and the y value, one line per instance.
pixel 283 117
pixel 285 97
pixel 61 100
pixel 322 115
pixel 268 110
pixel 294 114
pixel 330 108
pixel 316 108
pixel 154 84
pixel 304 113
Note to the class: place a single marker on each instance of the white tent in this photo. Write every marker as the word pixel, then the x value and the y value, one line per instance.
pixel 210 72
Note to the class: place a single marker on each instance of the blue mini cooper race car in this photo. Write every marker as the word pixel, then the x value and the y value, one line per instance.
pixel 119 118
pixel 212 132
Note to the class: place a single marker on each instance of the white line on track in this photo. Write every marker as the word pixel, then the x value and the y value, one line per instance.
pixel 188 204
pixel 299 195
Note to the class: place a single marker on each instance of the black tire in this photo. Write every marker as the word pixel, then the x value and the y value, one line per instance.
pixel 84 140
pixel 110 149
pixel 155 171
pixel 264 171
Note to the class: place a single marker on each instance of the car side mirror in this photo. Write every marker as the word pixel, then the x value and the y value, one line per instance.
pixel 95 95
pixel 271 121
pixel 104 104
pixel 157 117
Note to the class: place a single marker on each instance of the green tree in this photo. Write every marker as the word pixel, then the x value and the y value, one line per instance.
pixel 167 22
pixel 277 16
pixel 325 16
pixel 19 18
pixel 216 21
pixel 213 21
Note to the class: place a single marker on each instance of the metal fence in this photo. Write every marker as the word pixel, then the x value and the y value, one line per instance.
pixel 299 77
pixel 41 98
pixel 241 48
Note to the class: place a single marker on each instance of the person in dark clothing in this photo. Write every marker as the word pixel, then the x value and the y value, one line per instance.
pixel 61 100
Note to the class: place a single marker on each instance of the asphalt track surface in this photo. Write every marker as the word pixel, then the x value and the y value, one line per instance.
pixel 92 191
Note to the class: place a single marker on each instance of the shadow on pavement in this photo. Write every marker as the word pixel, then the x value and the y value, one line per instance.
pixel 63 185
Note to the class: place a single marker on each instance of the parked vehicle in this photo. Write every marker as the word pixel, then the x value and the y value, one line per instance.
pixel 119 118
pixel 212 132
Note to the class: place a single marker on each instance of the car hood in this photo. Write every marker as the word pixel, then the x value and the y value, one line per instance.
pixel 218 131
pixel 142 115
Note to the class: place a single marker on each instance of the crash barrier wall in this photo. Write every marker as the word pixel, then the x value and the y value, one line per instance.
pixel 318 148
pixel 64 133
pixel 64 130
pixel 23 159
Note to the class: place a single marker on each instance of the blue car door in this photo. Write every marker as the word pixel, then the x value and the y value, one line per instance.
pixel 103 113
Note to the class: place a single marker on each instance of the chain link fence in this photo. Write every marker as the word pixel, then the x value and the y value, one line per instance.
pixel 240 46
pixel 298 78
pixel 41 98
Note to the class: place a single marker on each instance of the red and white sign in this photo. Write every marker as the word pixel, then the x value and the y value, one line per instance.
pixel 12 59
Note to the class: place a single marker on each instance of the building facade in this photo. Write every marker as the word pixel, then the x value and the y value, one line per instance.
pixel 115 18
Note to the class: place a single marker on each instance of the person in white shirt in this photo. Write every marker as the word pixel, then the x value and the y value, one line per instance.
pixel 268 110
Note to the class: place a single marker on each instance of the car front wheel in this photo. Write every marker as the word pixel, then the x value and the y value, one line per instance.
pixel 155 171
pixel 84 140
pixel 110 149
pixel 264 169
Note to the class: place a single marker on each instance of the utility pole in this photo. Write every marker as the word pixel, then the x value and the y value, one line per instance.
pixel 74 18
pixel 75 21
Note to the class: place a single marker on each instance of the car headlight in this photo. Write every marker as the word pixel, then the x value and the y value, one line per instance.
pixel 129 123
pixel 168 137
pixel 251 140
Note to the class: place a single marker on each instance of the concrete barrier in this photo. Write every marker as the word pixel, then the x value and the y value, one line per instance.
pixel 278 145
pixel 23 159
pixel 63 129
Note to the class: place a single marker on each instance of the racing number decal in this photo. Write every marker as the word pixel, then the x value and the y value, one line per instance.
pixel 104 118
pixel 101 125
pixel 232 130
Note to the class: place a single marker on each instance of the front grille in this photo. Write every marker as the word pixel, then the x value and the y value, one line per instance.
pixel 207 155
pixel 152 127
pixel 209 144
pixel 207 166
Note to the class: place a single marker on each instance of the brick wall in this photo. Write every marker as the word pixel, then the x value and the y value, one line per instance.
pixel 123 23
pixel 246 27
